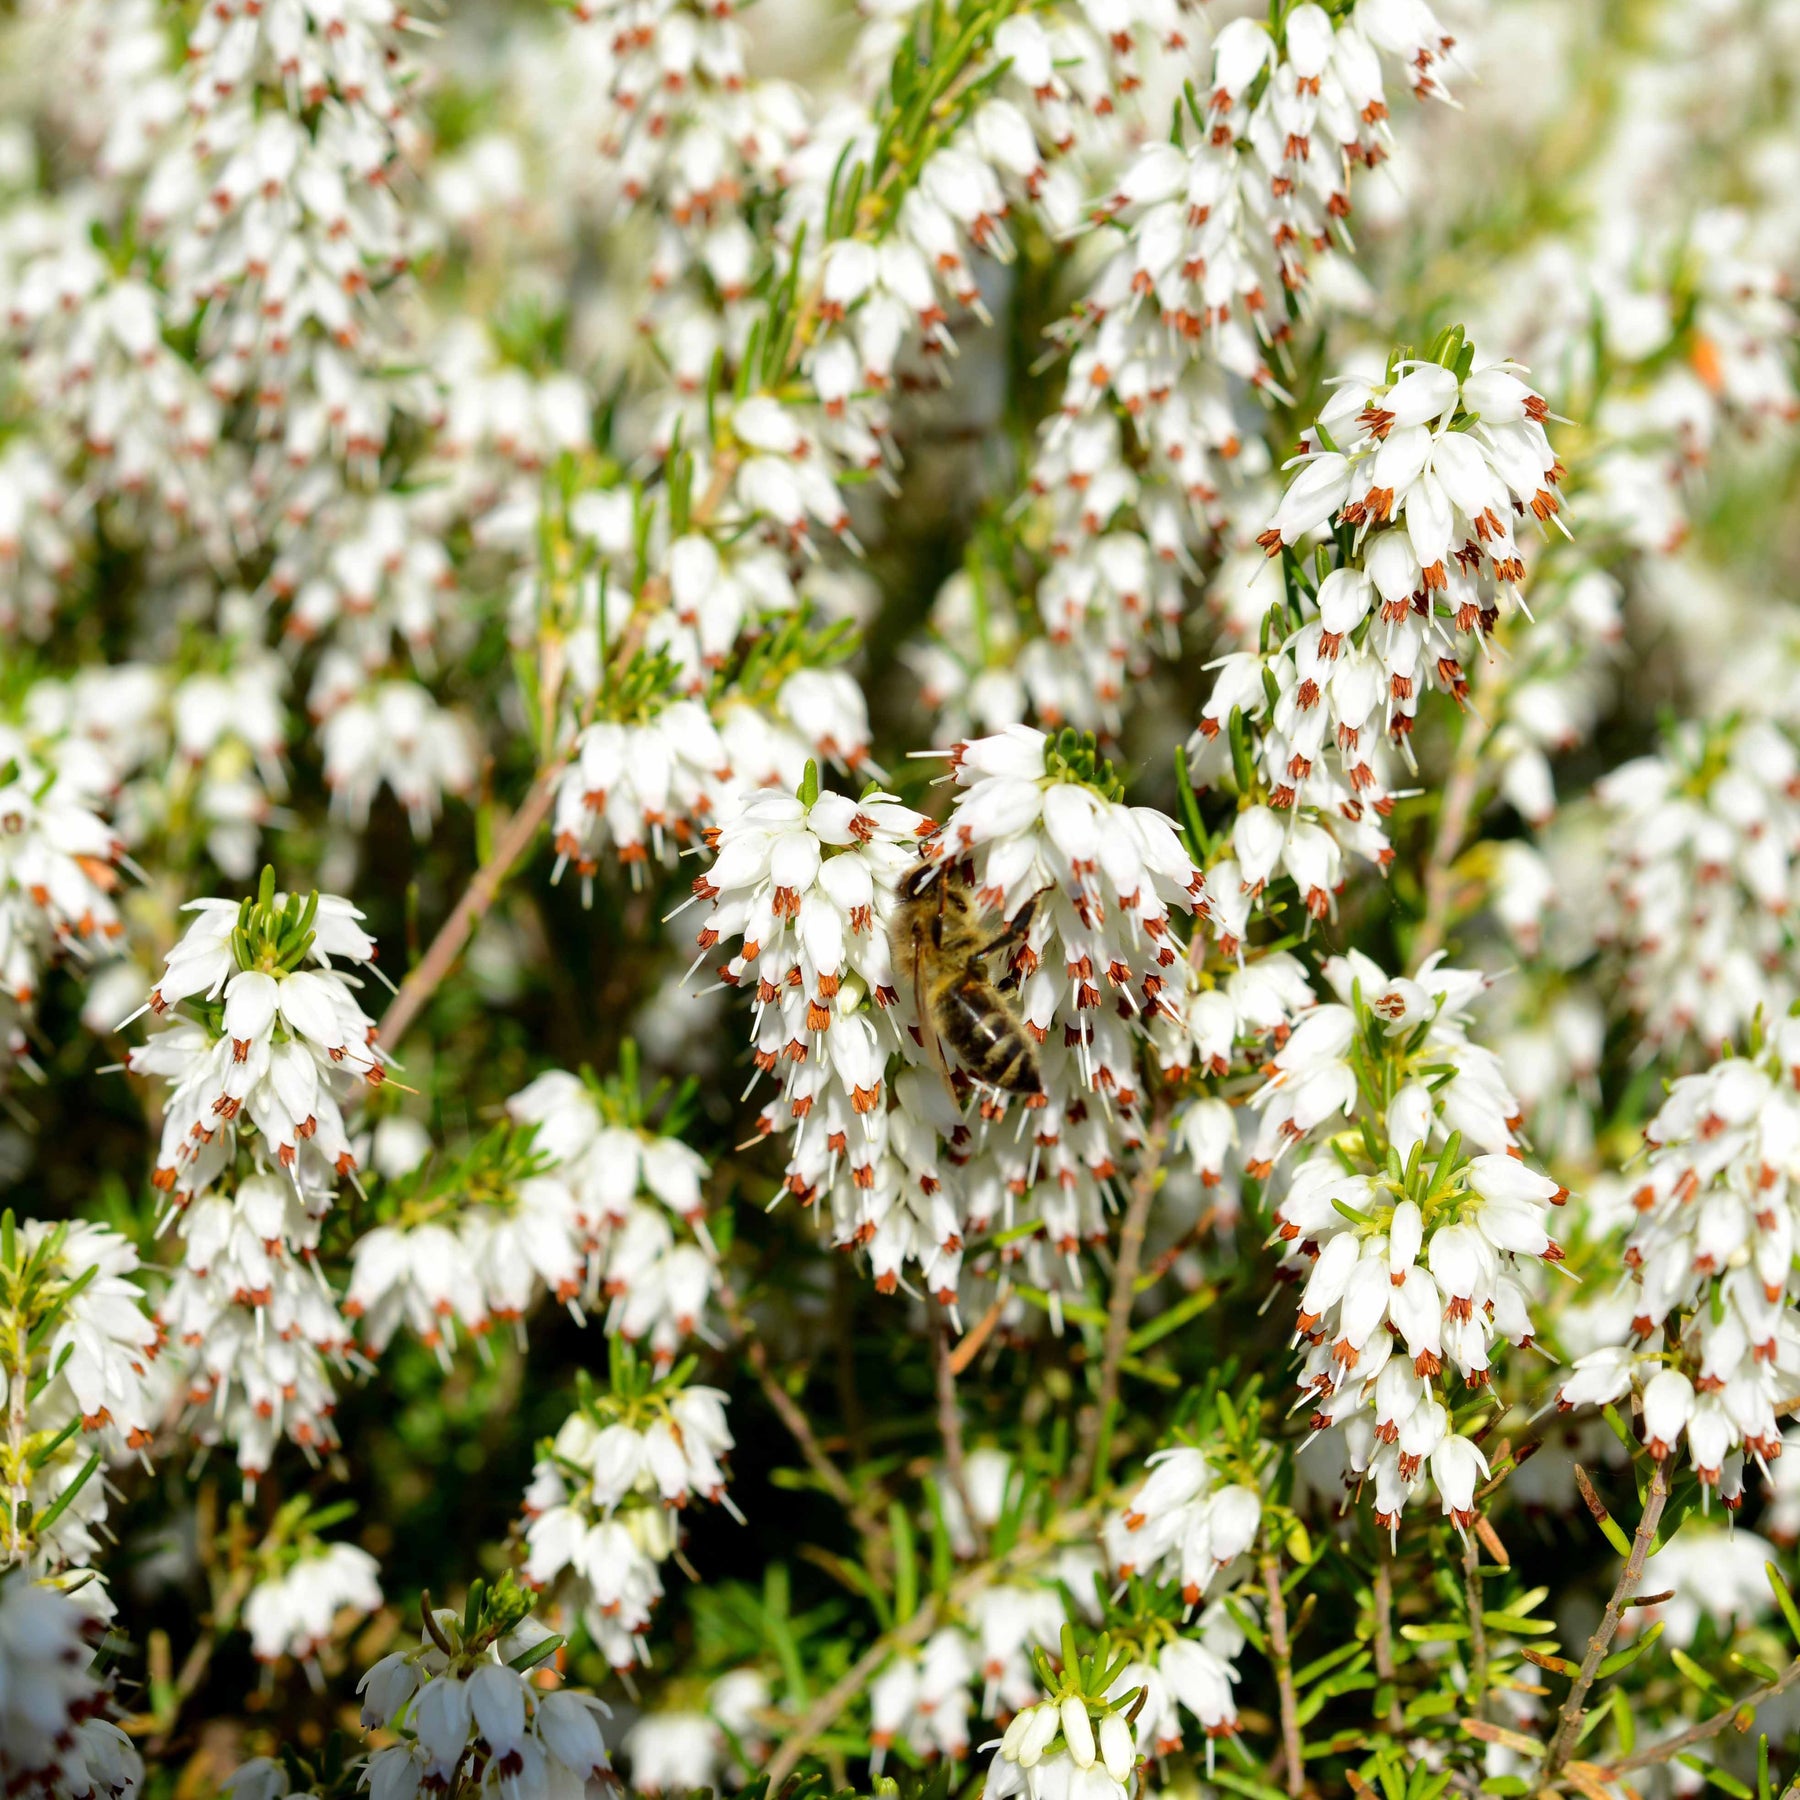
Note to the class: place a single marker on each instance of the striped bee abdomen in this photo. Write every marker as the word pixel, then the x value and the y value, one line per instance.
pixel 989 1042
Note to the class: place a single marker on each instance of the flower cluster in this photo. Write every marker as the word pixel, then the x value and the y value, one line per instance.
pixel 866 957
pixel 606 1495
pixel 59 860
pixel 1185 1523
pixel 1212 232
pixel 653 788
pixel 263 1050
pixel 464 1703
pixel 983 1662
pixel 641 1202
pixel 278 210
pixel 1714 1340
pixel 1411 1231
pixel 76 1348
pixel 1417 563
pixel 1702 844
pixel 56 1737
pixel 295 1607
pixel 576 1200
pixel 673 1752
pixel 1078 1741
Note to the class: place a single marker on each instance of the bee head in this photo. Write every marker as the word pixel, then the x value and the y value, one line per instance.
pixel 916 883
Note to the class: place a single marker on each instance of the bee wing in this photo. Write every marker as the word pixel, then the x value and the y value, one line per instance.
pixel 928 1037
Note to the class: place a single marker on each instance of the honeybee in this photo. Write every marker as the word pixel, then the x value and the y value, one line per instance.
pixel 939 940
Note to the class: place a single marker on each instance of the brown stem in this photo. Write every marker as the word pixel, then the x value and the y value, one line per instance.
pixel 950 1429
pixel 515 840
pixel 1563 1744
pixel 1478 1650
pixel 1698 1734
pixel 831 1477
pixel 824 1711
pixel 843 1331
pixel 1282 1656
pixel 1453 823
pixel 1384 1633
pixel 423 981
pixel 1096 1421
pixel 968 1346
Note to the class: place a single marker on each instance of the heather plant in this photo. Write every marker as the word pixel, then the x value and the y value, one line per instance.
pixel 899 899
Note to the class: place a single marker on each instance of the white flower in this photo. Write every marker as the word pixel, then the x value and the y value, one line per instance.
pixel 1184 1523
pixel 604 1506
pixel 55 1737
pixel 446 1699
pixel 1703 845
pixel 1709 1250
pixel 295 1613
pixel 1427 488
pixel 395 735
pixel 1401 1283
pixel 673 1752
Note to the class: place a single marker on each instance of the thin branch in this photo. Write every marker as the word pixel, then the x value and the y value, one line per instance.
pixel 1478 1649
pixel 1096 1422
pixel 949 1418
pixel 1563 1744
pixel 1384 1632
pixel 1698 1734
pixel 1460 793
pixel 1282 1655
pixel 428 973
pixel 830 1476
pixel 823 1713
pixel 969 1345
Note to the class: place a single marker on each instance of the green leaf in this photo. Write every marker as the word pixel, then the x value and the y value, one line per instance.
pixel 1518 1624
pixel 43 1453
pixel 1304 1678
pixel 1198 844
pixel 906 1563
pixel 1242 1784
pixel 1623 1659
pixel 1784 1598
pixel 1349 1682
pixel 854 1576
pixel 1622 1720
pixel 65 1499
pixel 539 1652
pixel 1718 1777
pixel 1177 1316
pixel 1754 1665
pixel 1698 1676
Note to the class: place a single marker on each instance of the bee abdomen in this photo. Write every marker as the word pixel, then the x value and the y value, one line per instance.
pixel 989 1042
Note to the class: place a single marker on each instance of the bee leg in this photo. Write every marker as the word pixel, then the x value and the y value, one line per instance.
pixel 1016 927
